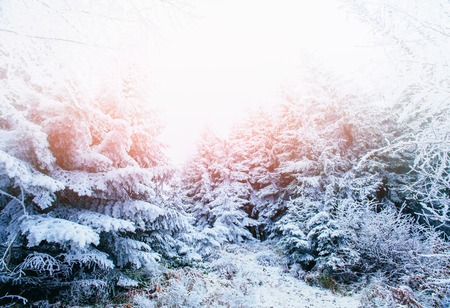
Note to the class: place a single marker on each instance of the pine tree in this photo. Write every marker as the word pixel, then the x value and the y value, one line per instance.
pixel 83 187
pixel 253 164
pixel 217 200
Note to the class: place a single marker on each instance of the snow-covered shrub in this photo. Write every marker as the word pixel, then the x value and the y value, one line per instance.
pixel 385 240
pixel 186 288
pixel 226 269
pixel 269 259
pixel 409 257
pixel 358 243
pixel 141 300
pixel 297 271
pixel 381 295
pixel 86 291
pixel 127 282
pixel 211 287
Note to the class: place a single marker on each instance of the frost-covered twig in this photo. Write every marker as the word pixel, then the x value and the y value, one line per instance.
pixel 22 202
pixel 397 146
pixel 55 39
pixel 15 297
pixel 6 254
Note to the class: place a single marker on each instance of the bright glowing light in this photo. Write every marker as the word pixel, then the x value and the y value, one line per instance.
pixel 237 54
pixel 206 65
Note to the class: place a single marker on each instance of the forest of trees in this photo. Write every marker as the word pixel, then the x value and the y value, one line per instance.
pixel 353 186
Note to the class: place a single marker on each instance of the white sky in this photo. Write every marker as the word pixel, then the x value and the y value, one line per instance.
pixel 208 64
pixel 223 57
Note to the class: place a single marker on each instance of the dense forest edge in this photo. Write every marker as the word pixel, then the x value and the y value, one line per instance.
pixel 351 186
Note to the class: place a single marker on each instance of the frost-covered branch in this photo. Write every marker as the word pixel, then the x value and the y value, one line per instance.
pixel 14 298
pixel 4 262
pixel 53 39
pixel 393 148
pixel 20 201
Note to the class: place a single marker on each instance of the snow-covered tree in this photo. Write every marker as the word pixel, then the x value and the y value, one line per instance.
pixel 77 202
pixel 217 199
pixel 83 179
pixel 253 164
pixel 415 82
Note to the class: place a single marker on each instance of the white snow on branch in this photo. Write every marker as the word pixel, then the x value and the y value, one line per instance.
pixel 54 230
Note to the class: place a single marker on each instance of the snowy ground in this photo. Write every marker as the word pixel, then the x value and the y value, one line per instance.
pixel 248 275
pixel 271 285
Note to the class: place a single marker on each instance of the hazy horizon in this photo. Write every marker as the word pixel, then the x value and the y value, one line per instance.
pixel 222 58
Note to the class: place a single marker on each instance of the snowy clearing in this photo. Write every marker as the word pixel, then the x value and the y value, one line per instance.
pixel 271 285
pixel 247 275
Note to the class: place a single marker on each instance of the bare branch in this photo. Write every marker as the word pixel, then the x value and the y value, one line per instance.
pixel 22 202
pixel 423 24
pixel 55 39
pixel 397 146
